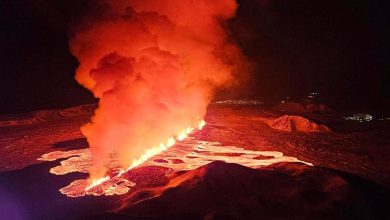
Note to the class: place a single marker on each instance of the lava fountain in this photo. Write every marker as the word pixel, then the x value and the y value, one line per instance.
pixel 154 65
pixel 148 154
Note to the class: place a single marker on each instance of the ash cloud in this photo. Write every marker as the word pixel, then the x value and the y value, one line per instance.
pixel 154 65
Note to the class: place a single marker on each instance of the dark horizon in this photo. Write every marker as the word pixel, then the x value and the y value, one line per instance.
pixel 336 48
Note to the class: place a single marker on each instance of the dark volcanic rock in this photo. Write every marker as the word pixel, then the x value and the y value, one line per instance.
pixel 229 191
pixel 215 191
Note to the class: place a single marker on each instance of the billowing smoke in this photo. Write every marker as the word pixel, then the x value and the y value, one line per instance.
pixel 154 65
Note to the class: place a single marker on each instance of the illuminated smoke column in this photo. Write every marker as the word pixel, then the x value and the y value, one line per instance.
pixel 154 65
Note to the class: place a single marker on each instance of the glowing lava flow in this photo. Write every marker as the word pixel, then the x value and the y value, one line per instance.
pixel 149 154
pixel 97 182
pixel 201 124
pixel 187 155
pixel 157 162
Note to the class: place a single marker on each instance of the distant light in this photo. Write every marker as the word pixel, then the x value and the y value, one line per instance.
pixel 361 117
pixel 312 95
pixel 239 102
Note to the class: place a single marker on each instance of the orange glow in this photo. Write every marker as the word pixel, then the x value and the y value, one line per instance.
pixel 184 133
pixel 96 182
pixel 154 65
pixel 149 154
pixel 201 124
pixel 192 153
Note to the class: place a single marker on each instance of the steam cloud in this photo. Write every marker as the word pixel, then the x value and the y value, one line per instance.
pixel 154 65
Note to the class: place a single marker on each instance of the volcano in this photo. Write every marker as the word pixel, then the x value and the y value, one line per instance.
pixel 194 109
pixel 236 167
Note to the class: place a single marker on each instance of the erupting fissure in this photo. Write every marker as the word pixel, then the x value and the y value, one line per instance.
pixel 154 65
pixel 149 154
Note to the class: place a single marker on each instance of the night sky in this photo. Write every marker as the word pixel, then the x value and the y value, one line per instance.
pixel 339 48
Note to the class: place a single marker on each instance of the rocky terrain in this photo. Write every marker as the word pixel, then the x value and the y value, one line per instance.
pixel 234 179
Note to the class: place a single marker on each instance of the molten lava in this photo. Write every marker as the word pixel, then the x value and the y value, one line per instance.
pixel 183 155
pixel 149 154
pixel 96 182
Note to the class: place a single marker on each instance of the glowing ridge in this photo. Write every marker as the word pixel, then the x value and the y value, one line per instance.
pixel 97 182
pixel 150 153
pixel 201 124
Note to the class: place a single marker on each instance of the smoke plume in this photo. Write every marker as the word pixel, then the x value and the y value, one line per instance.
pixel 154 65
